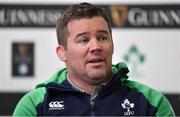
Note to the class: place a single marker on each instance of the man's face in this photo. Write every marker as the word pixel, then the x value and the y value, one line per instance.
pixel 88 55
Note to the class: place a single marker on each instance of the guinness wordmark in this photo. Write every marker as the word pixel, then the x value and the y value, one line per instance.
pixel 121 16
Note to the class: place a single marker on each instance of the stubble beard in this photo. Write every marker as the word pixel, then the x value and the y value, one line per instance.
pixel 95 79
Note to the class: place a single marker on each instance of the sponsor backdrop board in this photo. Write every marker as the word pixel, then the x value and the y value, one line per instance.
pixel 146 37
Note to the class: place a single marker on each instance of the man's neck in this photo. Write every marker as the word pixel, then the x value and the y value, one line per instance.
pixel 84 88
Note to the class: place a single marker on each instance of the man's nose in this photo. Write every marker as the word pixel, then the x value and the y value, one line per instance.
pixel 95 46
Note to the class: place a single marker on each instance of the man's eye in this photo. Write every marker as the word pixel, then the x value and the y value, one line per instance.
pixel 83 40
pixel 102 38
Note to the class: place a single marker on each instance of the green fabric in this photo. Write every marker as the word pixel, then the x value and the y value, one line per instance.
pixel 154 97
pixel 27 105
pixel 119 66
pixel 57 77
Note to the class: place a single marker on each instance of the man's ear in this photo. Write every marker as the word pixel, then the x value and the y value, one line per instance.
pixel 61 53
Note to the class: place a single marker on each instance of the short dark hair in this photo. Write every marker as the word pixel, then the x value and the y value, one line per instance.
pixel 77 11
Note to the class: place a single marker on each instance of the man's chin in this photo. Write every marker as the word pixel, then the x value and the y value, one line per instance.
pixel 96 79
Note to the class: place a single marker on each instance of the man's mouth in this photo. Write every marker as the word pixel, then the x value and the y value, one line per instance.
pixel 96 60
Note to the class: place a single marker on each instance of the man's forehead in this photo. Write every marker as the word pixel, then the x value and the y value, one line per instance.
pixel 83 25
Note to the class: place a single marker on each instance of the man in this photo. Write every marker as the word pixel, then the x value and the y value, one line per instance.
pixel 90 85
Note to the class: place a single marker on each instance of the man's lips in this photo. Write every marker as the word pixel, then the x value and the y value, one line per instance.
pixel 95 60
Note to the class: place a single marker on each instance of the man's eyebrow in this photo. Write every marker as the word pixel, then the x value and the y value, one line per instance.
pixel 103 31
pixel 80 34
pixel 98 31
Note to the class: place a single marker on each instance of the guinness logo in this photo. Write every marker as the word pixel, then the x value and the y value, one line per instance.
pixel 119 14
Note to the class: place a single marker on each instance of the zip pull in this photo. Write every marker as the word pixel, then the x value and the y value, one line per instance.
pixel 92 108
pixel 92 103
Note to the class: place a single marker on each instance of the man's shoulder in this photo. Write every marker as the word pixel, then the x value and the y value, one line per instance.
pixel 153 96
pixel 40 91
pixel 35 96
pixel 57 77
pixel 143 88
pixel 28 103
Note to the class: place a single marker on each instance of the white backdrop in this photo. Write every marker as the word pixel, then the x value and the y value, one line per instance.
pixel 160 48
pixel 46 61
pixel 161 51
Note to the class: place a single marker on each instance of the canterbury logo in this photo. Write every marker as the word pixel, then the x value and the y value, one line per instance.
pixel 56 105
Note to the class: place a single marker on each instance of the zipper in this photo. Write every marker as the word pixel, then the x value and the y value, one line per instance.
pixel 93 98
pixel 92 108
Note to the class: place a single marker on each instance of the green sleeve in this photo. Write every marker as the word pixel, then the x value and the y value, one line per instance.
pixel 154 97
pixel 27 105
pixel 164 107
